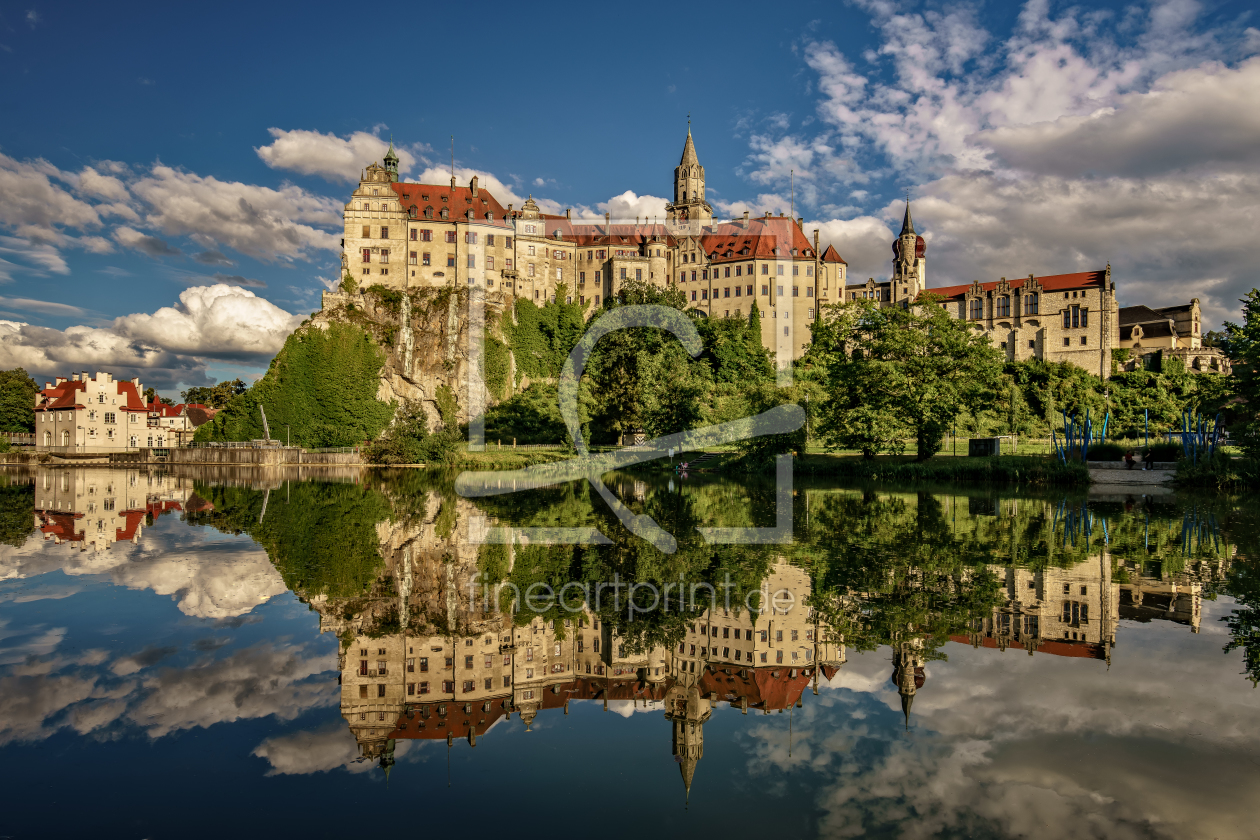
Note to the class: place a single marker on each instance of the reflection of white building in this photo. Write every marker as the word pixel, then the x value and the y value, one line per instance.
pixel 97 506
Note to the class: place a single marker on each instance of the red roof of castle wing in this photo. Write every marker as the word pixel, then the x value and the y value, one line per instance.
pixel 425 723
pixel 60 525
pixel 459 201
pixel 1049 283
pixel 584 234
pixel 761 238
pixel 831 255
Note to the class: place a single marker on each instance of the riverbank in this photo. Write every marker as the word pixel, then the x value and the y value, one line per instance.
pixel 1008 469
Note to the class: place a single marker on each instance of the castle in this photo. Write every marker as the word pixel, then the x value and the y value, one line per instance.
pixel 405 235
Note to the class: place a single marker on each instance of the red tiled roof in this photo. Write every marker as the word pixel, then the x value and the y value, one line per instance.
pixel 60 525
pixel 459 201
pixel 1049 283
pixel 772 687
pixel 63 396
pixel 761 238
pixel 831 255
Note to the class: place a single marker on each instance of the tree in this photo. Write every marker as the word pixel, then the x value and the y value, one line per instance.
pixel 892 373
pixel 17 401
pixel 216 396
pixel 675 391
pixel 151 396
pixel 1244 353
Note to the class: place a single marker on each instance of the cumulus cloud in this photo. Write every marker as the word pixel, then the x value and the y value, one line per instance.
pixel 329 156
pixel 630 206
pixel 170 346
pixel 220 321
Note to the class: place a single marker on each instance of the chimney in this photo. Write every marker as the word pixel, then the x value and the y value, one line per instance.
pixel 60 379
pixel 452 184
pixel 607 226
pixel 472 186
pixel 745 218
pixel 509 211
pixel 800 223
pixel 568 213
pixel 815 241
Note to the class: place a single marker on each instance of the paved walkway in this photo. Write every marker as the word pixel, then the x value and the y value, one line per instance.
pixel 1134 477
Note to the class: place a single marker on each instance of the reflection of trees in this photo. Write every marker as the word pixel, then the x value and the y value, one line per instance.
pixel 17 511
pixel 889 566
pixel 321 536
pixel 628 559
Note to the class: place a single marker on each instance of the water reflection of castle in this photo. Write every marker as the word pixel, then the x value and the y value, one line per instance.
pixel 459 686
pixel 423 659
pixel 95 507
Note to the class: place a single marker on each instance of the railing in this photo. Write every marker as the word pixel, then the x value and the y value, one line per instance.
pixel 333 449
pixel 20 438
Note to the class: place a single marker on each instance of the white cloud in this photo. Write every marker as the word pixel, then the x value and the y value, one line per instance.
pixel 259 221
pixel 221 321
pixel 1065 145
pixel 168 347
pixel 329 156
pixel 630 206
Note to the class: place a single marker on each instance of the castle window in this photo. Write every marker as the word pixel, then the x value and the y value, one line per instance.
pixel 470 238
pixel 1066 341
pixel 445 213
pixel 490 263
pixel 1004 306
pixel 450 236
pixel 638 274
pixel 975 308
pixel 412 257
pixel 1084 340
pixel 779 289
pixel 425 259
pixel 384 255
pixel 1030 304
pixel 765 290
pixel 738 289
pixel 367 254
pixel 384 233
pixel 796 291
pixel 796 269
pixel 415 232
pixel 1084 317
pixel 428 212
pixel 450 260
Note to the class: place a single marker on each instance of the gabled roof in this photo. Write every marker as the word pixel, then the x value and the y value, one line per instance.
pixel 1049 283
pixel 1054 647
pixel 65 395
pixel 1139 315
pixel 1176 310
pixel 762 237
pixel 459 201
pixel 831 255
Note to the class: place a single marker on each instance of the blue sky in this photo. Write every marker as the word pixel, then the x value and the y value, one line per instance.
pixel 172 176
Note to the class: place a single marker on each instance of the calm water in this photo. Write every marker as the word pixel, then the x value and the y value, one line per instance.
pixel 344 654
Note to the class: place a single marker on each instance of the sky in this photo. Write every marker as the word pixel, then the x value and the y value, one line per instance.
pixel 172 177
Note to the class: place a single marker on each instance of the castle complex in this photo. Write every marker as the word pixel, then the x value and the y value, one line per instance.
pixel 403 235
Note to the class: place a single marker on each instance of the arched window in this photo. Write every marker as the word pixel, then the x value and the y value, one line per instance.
pixel 975 309
pixel 1004 306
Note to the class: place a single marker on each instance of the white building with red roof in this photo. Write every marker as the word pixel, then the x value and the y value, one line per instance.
pixel 101 414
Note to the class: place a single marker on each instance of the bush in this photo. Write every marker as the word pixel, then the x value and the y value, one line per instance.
pixel 1106 452
pixel 1163 452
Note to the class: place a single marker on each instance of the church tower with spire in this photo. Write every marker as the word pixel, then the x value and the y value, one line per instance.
pixel 689 204
pixel 688 710
pixel 391 162
pixel 909 275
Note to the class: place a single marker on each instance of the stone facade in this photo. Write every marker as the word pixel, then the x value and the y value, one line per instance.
pixel 402 236
pixel 1175 332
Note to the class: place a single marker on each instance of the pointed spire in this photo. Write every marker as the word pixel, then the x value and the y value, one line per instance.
pixel 689 149
pixel 390 154
pixel 907 700
pixel 907 225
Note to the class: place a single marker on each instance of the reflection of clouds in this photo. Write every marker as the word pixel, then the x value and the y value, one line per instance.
pixel 19 644
pixel 211 578
pixel 1165 744
pixel 251 683
pixel 627 708
pixel 45 693
pixel 317 751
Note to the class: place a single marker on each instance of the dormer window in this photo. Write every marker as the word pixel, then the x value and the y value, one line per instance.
pixel 445 213
pixel 444 198
pixel 424 198
pixel 428 212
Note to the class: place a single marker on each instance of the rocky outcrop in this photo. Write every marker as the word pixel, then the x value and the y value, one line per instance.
pixel 425 335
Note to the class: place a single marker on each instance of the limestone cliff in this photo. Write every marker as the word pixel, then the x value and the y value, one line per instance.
pixel 424 333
